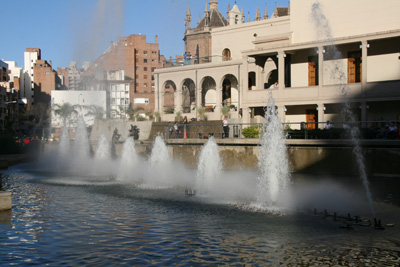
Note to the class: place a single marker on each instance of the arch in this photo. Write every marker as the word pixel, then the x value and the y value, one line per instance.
pixel 226 54
pixel 169 96
pixel 270 73
pixel 188 95
pixel 208 93
pixel 230 92
pixel 252 79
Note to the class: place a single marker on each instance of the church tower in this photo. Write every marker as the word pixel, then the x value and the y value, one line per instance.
pixel 235 16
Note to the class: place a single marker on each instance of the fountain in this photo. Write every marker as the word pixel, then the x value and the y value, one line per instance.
pixel 209 168
pixel 80 147
pixel 129 167
pixel 273 162
pixel 323 31
pixel 103 151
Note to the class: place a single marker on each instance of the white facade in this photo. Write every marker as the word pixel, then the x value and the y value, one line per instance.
pixel 27 79
pixel 304 59
pixel 84 102
pixel 119 99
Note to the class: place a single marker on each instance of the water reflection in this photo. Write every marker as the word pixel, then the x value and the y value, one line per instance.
pixel 110 223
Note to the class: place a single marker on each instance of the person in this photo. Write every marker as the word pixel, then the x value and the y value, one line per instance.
pixel 226 127
pixel 185 127
pixel 170 130
pixel 346 126
pixel 176 129
pixel 328 125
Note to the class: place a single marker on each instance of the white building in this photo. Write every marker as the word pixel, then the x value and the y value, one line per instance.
pixel 88 104
pixel 30 57
pixel 304 58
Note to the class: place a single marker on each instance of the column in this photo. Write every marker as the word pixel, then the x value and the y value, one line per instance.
pixel 178 104
pixel 218 95
pixel 157 104
pixel 246 115
pixel 281 73
pixel 364 55
pixel 282 113
pixel 321 115
pixel 259 78
pixel 320 69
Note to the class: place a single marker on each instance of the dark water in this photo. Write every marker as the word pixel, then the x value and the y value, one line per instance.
pixel 97 222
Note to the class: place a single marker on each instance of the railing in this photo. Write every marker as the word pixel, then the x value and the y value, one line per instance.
pixel 293 130
pixel 194 61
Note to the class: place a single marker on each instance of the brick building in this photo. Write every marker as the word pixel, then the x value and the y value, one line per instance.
pixel 138 59
pixel 45 80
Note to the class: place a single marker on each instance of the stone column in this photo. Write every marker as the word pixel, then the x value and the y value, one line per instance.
pixel 157 96
pixel 179 92
pixel 364 55
pixel 321 115
pixel 282 113
pixel 320 69
pixel 281 73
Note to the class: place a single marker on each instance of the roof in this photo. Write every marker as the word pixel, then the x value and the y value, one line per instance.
pixel 216 20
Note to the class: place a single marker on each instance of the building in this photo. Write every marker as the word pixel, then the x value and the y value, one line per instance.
pixel 88 104
pixel 138 60
pixel 30 57
pixel 306 55
pixel 45 81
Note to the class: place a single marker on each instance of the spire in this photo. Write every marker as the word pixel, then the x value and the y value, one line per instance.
pixel 248 17
pixel 265 12
pixel 242 13
pixel 229 9
pixel 258 16
pixel 188 19
pixel 206 15
pixel 198 21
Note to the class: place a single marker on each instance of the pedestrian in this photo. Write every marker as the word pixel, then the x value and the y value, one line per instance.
pixel 176 129
pixel 225 127
pixel 185 127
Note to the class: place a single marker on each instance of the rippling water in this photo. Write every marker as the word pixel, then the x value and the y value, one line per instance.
pixel 71 221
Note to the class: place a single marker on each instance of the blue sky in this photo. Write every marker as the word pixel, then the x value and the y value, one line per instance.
pixel 80 30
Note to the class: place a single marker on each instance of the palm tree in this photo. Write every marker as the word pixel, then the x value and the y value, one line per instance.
pixel 96 111
pixel 201 111
pixel 225 110
pixel 132 112
pixel 65 110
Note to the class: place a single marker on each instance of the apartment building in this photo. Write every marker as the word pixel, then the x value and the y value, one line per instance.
pixel 138 59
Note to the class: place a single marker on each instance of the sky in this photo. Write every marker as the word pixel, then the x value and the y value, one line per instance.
pixel 81 30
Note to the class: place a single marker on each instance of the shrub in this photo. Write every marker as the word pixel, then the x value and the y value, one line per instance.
pixel 252 131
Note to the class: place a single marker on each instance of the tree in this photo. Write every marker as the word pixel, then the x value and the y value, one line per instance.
pixel 225 110
pixel 201 111
pixel 65 110
pixel 95 111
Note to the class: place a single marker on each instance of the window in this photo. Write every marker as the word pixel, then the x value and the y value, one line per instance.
pixel 145 60
pixel 137 68
pixel 226 54
pixel 145 85
pixel 112 101
pixel 145 53
pixel 145 68
pixel 126 101
pixel 145 76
